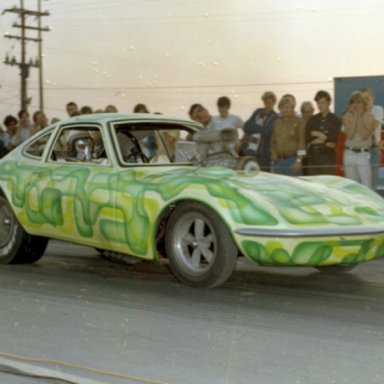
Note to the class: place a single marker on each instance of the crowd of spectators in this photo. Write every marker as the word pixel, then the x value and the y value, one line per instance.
pixel 20 128
pixel 283 140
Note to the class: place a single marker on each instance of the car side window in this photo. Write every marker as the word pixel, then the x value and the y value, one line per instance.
pixel 152 143
pixel 84 145
pixel 133 148
pixel 36 147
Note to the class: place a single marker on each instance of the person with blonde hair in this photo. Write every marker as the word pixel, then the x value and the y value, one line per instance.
pixel 258 131
pixel 359 125
pixel 378 115
pixel 307 110
pixel 288 140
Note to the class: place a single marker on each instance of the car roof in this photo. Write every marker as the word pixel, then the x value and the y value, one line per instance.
pixel 134 117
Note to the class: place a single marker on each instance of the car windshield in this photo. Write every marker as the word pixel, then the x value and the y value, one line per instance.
pixel 154 144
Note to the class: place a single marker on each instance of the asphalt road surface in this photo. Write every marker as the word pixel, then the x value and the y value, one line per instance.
pixel 92 321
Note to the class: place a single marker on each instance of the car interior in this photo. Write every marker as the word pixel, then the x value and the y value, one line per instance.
pixel 154 144
pixel 80 145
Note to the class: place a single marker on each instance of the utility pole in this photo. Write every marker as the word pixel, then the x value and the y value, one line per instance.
pixel 40 29
pixel 23 64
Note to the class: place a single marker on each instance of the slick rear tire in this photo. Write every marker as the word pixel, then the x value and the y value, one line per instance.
pixel 199 246
pixel 16 245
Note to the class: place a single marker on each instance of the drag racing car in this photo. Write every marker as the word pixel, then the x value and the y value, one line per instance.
pixel 134 184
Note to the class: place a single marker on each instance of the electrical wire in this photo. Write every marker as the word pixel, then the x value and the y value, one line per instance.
pixel 209 17
pixel 186 86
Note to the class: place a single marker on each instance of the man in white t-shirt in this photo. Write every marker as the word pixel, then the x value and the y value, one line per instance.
pixel 378 115
pixel 225 119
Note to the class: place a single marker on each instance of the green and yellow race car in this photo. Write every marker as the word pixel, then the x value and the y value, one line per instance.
pixel 132 184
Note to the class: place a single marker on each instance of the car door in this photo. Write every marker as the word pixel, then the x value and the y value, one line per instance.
pixel 144 153
pixel 68 193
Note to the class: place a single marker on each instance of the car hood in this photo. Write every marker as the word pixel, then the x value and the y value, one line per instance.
pixel 273 200
pixel 315 201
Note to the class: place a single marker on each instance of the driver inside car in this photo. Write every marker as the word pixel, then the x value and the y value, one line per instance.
pixel 83 148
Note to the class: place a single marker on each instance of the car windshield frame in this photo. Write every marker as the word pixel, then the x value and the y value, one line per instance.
pixel 158 128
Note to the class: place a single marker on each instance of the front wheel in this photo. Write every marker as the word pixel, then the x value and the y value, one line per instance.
pixel 199 246
pixel 16 245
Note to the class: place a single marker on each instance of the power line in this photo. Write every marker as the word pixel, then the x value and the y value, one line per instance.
pixel 217 17
pixel 190 86
pixel 23 63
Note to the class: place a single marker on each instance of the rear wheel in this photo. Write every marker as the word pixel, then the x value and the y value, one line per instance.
pixel 16 245
pixel 199 246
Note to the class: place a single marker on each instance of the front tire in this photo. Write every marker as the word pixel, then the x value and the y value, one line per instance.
pixel 16 245
pixel 199 246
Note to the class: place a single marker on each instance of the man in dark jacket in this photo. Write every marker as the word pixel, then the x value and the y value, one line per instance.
pixel 258 132
pixel 322 133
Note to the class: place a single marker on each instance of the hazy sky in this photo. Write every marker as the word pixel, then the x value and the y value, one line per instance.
pixel 169 54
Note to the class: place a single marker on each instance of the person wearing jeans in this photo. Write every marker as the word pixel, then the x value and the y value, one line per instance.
pixel 288 140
